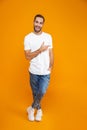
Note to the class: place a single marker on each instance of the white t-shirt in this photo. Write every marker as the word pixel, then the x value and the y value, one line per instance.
pixel 40 64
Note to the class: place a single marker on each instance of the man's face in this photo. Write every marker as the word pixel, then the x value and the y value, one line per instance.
pixel 38 24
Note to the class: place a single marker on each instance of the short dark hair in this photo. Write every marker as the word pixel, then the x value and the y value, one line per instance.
pixel 39 15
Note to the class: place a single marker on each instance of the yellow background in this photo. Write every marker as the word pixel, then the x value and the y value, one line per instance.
pixel 65 103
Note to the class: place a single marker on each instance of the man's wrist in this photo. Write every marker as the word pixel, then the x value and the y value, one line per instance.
pixel 40 51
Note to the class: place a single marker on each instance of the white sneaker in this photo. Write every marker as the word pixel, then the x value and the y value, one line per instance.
pixel 38 115
pixel 30 112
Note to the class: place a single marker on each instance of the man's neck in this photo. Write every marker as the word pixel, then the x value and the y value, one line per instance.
pixel 38 33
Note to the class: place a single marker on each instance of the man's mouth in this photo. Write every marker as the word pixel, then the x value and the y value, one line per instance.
pixel 37 27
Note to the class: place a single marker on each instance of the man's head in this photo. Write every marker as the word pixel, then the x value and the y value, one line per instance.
pixel 38 23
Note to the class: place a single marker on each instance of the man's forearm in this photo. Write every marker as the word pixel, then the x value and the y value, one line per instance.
pixel 51 62
pixel 51 59
pixel 31 55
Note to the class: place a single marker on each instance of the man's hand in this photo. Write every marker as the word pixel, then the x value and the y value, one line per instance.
pixel 43 47
pixel 30 55
pixel 49 69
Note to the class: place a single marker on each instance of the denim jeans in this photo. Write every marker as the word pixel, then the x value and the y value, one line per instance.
pixel 39 85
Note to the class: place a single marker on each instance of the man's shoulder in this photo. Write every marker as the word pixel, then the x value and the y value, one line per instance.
pixel 47 34
pixel 28 35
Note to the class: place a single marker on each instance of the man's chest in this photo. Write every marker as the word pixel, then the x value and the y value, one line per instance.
pixel 35 43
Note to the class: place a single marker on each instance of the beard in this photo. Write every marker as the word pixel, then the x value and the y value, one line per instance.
pixel 37 29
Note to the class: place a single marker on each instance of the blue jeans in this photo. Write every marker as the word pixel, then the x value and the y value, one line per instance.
pixel 39 85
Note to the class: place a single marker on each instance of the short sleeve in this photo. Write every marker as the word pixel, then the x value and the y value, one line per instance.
pixel 26 44
pixel 50 42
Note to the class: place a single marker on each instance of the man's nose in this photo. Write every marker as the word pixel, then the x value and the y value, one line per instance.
pixel 38 24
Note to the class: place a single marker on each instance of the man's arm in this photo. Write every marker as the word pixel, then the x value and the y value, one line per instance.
pixel 30 55
pixel 51 59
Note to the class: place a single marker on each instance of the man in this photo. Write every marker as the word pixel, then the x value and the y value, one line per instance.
pixel 38 50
